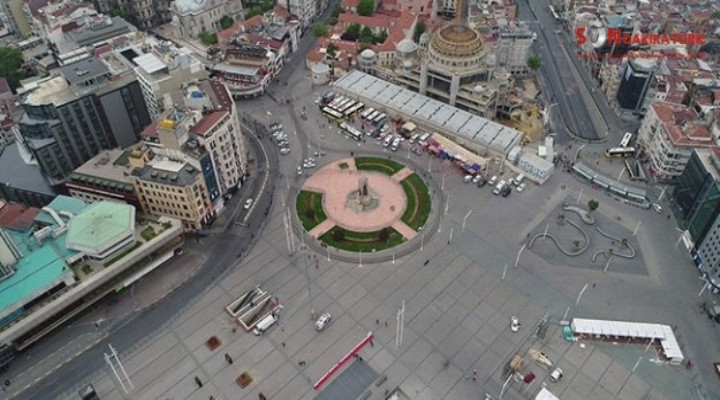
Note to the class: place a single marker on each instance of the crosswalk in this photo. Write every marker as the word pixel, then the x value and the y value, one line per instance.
pixel 238 229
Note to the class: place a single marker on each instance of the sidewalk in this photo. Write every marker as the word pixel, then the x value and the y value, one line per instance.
pixel 93 326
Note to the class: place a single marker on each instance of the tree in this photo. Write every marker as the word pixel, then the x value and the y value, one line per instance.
pixel 380 37
pixel 366 7
pixel 331 50
pixel 384 235
pixel 593 205
pixel 335 14
pixel 534 63
pixel 208 39
pixel 366 35
pixel 716 15
pixel 320 29
pixel 11 62
pixel 420 28
pixel 226 22
pixel 352 32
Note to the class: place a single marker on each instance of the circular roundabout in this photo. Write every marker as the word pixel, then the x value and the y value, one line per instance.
pixel 363 204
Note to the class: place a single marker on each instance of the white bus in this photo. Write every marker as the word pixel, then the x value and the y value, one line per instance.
pixel 352 110
pixel 351 132
pixel 347 106
pixel 625 142
pixel 379 119
pixel 372 116
pixel 332 114
pixel 367 112
pixel 620 152
pixel 337 101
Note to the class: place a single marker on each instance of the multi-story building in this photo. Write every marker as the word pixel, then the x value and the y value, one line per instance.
pixel 306 10
pixel 16 21
pixel 174 189
pixel 696 205
pixel 203 130
pixel 512 50
pixel 668 135
pixel 192 17
pixel 248 68
pixel 79 111
pixel 163 69
pixel 59 260
pixel 107 177
pixel 144 14
pixel 634 85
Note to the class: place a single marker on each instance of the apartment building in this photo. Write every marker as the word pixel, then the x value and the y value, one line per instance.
pixel 192 17
pixel 668 135
pixel 144 14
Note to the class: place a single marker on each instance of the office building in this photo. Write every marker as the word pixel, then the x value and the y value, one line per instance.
pixel 21 180
pixel 512 50
pixel 668 135
pixel 634 84
pixel 192 17
pixel 58 260
pixel 107 176
pixel 174 189
pixel 77 112
pixel 696 205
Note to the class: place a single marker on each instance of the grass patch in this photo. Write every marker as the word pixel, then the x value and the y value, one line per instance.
pixel 309 209
pixel 377 164
pixel 419 203
pixel 148 233
pixel 343 165
pixel 366 242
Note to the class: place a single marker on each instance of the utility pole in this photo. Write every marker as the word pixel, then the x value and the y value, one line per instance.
pixel 399 329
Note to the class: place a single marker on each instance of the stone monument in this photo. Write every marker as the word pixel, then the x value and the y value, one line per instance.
pixel 362 199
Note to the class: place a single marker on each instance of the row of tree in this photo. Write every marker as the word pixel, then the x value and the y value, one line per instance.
pixel 363 34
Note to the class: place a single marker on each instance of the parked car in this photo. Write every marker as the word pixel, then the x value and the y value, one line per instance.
pixel 395 145
pixel 248 204
pixel 657 207
pixel 505 191
pixel 556 375
pixel 492 180
pixel 499 187
pixel 514 324
pixel 285 151
pixel 323 321
pixel 417 150
pixel 467 178
pixel 481 182
pixel 521 187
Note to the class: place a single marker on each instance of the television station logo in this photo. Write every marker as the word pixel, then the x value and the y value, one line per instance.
pixel 598 36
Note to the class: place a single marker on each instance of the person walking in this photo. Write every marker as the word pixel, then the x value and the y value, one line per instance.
pixel 198 382
pixel 228 358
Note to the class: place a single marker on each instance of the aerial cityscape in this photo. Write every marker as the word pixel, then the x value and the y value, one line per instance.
pixel 360 199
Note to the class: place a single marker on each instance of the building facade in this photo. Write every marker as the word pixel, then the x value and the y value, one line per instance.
pixel 76 113
pixel 667 137
pixel 634 85
pixel 144 14
pixel 192 17
pixel 513 50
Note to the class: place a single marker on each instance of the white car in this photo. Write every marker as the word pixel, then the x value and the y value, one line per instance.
pixel 285 151
pixel 323 321
pixel 657 207
pixel 521 187
pixel 514 324
pixel 556 375
pixel 492 180
pixel 248 204
pixel 477 178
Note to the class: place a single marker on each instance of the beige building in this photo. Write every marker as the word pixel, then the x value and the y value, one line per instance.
pixel 668 135
pixel 173 189
pixel 144 14
pixel 192 17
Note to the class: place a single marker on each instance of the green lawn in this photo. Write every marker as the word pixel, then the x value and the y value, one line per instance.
pixel 366 242
pixel 309 209
pixel 419 203
pixel 377 164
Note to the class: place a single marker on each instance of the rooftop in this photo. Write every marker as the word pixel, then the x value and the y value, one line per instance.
pixel 431 112
pixel 167 172
pixel 15 172
pixel 83 71
pixel 109 165
pixel 680 123
pixel 100 226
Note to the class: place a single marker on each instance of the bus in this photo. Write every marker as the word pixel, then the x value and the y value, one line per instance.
pixel 554 14
pixel 337 101
pixel 341 105
pixel 352 110
pixel 367 112
pixel 625 142
pixel 379 119
pixel 351 132
pixel 347 106
pixel 372 116
pixel 620 152
pixel 332 114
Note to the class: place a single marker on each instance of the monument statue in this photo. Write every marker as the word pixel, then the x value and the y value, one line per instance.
pixel 363 198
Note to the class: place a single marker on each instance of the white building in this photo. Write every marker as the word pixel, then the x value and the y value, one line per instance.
pixel 668 135
pixel 513 50
pixel 306 10
pixel 192 17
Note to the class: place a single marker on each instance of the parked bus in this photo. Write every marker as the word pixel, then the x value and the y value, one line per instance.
pixel 620 152
pixel 372 116
pixel 379 119
pixel 333 104
pixel 351 131
pixel 367 112
pixel 347 106
pixel 352 110
pixel 332 114
pixel 625 142
pixel 341 105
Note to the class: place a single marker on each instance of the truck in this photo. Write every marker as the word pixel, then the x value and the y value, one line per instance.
pixel 712 311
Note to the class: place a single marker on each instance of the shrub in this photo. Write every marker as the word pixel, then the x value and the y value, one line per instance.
pixel 384 235
pixel 593 205
pixel 338 235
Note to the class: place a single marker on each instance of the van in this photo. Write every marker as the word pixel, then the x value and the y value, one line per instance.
pixel 414 137
pixel 395 144
pixel 388 141
pixel 556 375
pixel 423 139
pixel 264 325
pixel 499 187
pixel 519 179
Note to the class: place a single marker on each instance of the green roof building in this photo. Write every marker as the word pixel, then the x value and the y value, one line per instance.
pixel 102 228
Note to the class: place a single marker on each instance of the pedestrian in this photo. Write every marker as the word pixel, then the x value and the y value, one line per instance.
pixel 283 344
pixel 198 381
pixel 377 322
pixel 474 372
pixel 228 358
pixel 386 324
pixel 360 359
pixel 372 344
